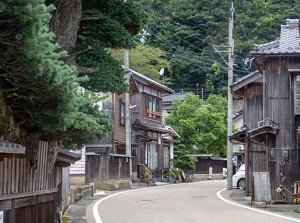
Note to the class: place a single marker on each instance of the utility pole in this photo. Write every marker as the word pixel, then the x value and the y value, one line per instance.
pixel 127 104
pixel 127 113
pixel 230 100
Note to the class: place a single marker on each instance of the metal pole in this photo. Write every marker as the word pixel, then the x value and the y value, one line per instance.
pixel 127 113
pixel 229 118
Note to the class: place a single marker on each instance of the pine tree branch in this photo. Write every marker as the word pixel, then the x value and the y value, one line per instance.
pixel 90 18
pixel 79 50
pixel 87 70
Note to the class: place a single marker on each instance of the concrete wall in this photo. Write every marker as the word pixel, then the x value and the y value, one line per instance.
pixel 78 193
pixel 78 180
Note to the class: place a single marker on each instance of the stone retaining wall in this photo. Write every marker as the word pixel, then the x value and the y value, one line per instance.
pixel 206 176
pixel 113 184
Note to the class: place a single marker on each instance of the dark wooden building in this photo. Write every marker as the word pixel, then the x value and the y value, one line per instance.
pixel 206 161
pixel 271 109
pixel 151 141
pixel 33 182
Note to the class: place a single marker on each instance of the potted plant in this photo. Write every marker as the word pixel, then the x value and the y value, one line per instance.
pixel 170 176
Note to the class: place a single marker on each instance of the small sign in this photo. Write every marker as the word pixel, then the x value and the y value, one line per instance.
pixel 262 186
pixel 1 216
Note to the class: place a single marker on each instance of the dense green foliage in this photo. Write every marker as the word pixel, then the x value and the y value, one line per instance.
pixel 186 30
pixel 201 124
pixel 107 24
pixel 39 95
pixel 147 61
pixel 184 160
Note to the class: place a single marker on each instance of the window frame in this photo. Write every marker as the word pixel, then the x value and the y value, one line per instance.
pixel 122 113
pixel 152 107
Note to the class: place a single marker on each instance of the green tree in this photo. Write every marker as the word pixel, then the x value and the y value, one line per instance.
pixel 201 124
pixel 147 61
pixel 184 160
pixel 188 29
pixel 49 49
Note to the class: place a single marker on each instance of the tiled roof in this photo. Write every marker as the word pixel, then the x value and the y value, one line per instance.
pixel 10 147
pixel 246 77
pixel 152 82
pixel 171 97
pixel 288 43
pixel 155 128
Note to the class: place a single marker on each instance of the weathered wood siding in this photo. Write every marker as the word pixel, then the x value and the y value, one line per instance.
pixel 29 193
pixel 30 208
pixel 108 108
pixel 96 167
pixel 118 168
pixel 17 176
pixel 280 108
pixel 120 130
pixel 136 111
pixel 203 165
pixel 253 113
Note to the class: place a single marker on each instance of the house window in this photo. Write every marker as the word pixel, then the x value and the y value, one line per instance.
pixel 152 107
pixel 166 156
pixel 152 156
pixel 122 112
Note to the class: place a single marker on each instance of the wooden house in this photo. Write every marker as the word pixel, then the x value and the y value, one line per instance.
pixel 151 141
pixel 155 141
pixel 34 182
pixel 271 109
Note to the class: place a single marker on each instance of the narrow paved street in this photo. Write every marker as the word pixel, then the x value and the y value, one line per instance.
pixel 186 202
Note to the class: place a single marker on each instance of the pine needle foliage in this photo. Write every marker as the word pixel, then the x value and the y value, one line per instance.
pixel 107 24
pixel 39 97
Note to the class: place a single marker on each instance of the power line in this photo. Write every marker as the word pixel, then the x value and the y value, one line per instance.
pixel 245 34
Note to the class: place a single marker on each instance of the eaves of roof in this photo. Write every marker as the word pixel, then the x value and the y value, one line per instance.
pixel 266 126
pixel 255 76
pixel 68 156
pixel 202 155
pixel 148 81
pixel 119 155
pixel 239 136
pixel 151 127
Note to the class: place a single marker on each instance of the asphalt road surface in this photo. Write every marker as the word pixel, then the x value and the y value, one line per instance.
pixel 185 203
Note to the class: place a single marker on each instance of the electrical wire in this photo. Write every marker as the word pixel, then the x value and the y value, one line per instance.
pixel 242 69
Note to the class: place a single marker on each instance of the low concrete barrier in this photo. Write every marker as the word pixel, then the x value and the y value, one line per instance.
pixel 78 193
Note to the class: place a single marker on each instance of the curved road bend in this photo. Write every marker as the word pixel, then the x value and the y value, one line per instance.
pixel 178 203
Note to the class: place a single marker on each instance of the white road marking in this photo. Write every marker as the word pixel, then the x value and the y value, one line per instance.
pixel 95 206
pixel 98 218
pixel 254 209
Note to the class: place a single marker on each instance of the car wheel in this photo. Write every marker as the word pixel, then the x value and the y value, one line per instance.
pixel 242 184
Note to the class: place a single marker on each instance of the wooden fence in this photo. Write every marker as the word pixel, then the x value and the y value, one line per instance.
pixel 29 187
